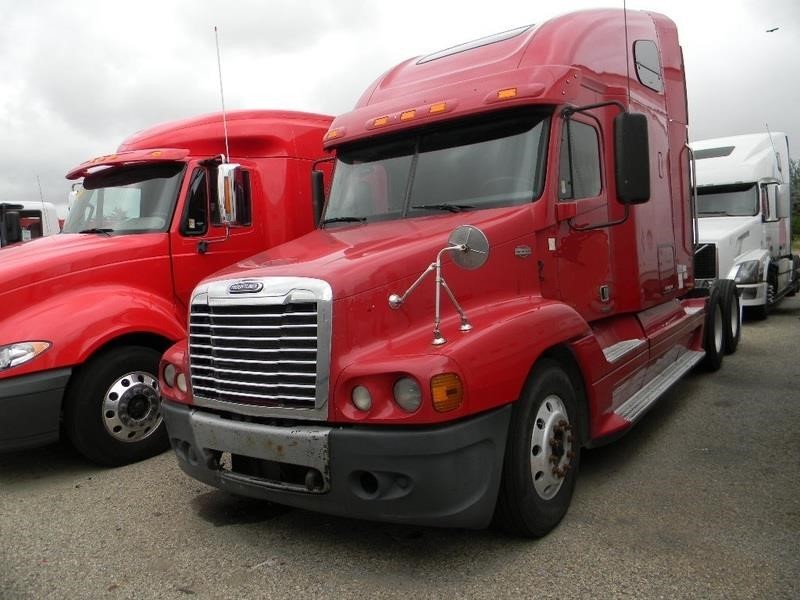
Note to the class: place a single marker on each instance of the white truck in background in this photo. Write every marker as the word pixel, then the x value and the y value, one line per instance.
pixel 744 229
pixel 24 221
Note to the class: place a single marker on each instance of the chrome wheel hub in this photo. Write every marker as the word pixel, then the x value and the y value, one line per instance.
pixel 131 407
pixel 551 447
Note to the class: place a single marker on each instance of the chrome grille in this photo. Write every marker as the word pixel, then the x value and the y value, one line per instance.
pixel 260 354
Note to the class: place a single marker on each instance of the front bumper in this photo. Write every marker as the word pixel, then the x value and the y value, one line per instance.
pixel 30 409
pixel 445 476
pixel 753 294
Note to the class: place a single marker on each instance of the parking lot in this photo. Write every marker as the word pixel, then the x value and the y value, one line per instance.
pixel 701 499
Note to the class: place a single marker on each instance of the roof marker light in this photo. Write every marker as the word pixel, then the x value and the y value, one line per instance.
pixel 333 134
pixel 507 93
pixel 407 115
pixel 380 121
pixel 438 107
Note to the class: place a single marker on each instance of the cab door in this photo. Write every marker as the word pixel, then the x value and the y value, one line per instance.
pixel 582 242
pixel 200 244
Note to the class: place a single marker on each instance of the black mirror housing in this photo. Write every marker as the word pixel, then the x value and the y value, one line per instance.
pixel 632 158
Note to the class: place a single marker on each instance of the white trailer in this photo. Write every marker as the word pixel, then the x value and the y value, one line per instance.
pixel 744 229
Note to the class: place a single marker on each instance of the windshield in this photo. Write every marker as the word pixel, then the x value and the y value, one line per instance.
pixel 137 199
pixel 740 200
pixel 477 164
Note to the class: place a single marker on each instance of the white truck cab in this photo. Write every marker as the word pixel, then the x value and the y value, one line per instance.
pixel 744 205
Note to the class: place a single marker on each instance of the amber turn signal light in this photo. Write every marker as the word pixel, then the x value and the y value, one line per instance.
pixel 447 392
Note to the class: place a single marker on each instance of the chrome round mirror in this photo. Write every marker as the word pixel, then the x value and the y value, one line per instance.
pixel 473 247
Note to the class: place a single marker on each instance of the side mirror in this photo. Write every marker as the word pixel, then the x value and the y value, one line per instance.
pixel 226 192
pixel 317 194
pixel 13 229
pixel 632 157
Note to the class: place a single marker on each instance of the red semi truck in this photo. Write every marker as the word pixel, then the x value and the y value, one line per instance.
pixel 368 370
pixel 88 313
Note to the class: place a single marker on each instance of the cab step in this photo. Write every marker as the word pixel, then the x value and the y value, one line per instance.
pixel 635 406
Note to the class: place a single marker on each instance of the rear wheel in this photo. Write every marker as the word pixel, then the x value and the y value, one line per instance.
pixel 542 454
pixel 713 337
pixel 731 314
pixel 112 413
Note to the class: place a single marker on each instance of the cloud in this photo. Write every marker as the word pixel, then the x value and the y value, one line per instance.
pixel 76 78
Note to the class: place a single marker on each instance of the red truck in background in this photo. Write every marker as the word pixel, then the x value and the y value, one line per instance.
pixel 365 370
pixel 88 313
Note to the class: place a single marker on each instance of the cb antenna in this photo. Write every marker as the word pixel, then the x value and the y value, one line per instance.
pixel 45 218
pixel 222 98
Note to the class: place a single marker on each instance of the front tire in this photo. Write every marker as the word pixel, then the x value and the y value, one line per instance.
pixel 542 454
pixel 714 334
pixel 731 314
pixel 112 413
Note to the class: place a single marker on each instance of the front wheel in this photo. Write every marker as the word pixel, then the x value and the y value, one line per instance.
pixel 112 413
pixel 714 335
pixel 542 454
pixel 731 315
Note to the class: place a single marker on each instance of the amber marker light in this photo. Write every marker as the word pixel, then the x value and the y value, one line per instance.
pixel 380 122
pixel 407 115
pixel 333 134
pixel 447 392
pixel 507 93
pixel 438 107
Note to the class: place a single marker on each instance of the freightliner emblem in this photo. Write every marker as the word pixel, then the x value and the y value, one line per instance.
pixel 245 287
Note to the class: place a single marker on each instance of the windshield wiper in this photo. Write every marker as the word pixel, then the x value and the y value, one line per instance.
pixel 345 220
pixel 449 207
pixel 103 230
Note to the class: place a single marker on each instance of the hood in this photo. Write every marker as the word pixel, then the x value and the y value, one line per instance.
pixel 48 258
pixel 716 230
pixel 358 258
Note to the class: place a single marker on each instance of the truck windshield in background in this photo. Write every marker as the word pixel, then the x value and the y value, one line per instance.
pixel 136 199
pixel 474 164
pixel 739 200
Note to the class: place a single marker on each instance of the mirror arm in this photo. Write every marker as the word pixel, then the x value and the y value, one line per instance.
pixel 202 245
pixel 601 225
pixel 568 111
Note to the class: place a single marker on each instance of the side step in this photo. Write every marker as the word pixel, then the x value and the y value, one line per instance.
pixel 637 404
pixel 620 349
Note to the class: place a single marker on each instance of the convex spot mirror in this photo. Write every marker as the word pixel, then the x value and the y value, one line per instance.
pixel 469 247
pixel 632 158
pixel 226 192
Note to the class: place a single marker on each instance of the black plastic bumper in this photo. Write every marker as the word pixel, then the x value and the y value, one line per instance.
pixel 444 476
pixel 30 409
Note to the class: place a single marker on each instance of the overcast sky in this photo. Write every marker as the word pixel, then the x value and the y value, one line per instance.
pixel 77 77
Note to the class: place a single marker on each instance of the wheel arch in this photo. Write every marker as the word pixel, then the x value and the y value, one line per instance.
pixel 145 339
pixel 563 355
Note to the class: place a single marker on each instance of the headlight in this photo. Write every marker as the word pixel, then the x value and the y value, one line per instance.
pixel 169 375
pixel 180 381
pixel 13 355
pixel 750 271
pixel 407 394
pixel 361 398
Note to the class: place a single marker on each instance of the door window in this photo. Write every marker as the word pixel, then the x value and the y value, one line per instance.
pixel 579 169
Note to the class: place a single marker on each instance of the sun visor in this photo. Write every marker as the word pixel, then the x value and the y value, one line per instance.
pixel 126 158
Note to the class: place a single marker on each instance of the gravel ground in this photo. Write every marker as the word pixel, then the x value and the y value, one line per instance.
pixel 700 500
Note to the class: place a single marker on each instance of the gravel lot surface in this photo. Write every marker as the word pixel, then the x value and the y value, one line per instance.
pixel 700 500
